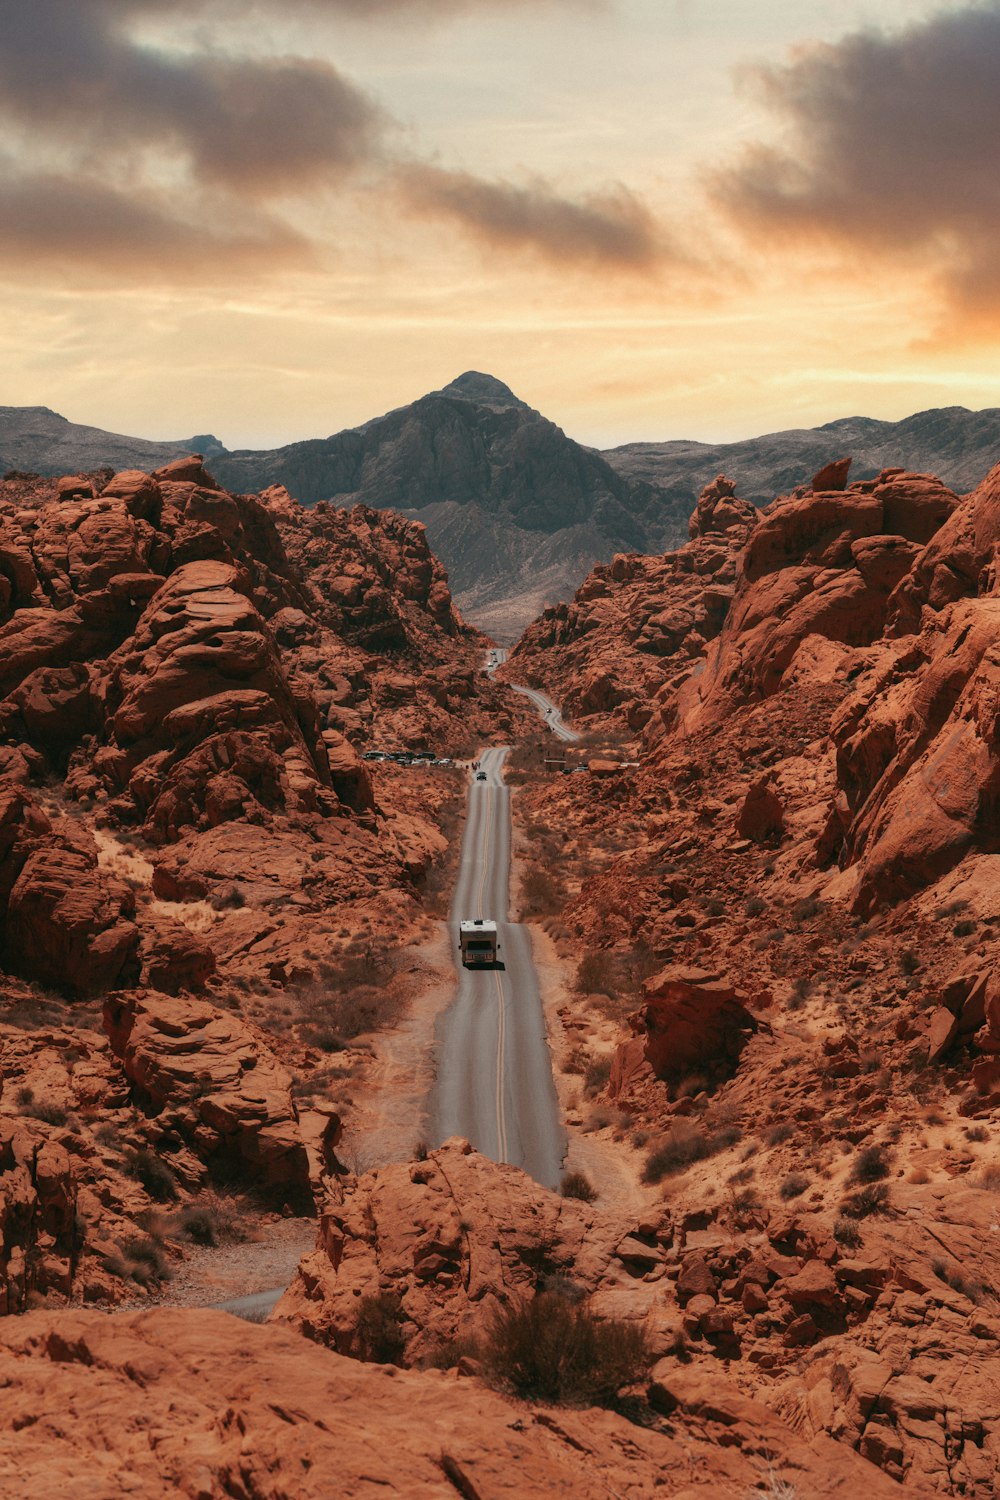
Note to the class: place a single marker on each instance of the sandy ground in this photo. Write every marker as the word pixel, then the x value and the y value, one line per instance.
pixel 267 1260
pixel 389 1117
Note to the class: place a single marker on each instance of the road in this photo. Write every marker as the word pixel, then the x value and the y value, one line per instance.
pixel 546 708
pixel 494 1078
pixel 494 1083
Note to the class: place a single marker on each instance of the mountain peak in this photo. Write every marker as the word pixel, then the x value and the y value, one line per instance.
pixel 485 390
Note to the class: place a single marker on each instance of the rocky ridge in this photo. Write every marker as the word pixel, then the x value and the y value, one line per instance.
pixel 195 860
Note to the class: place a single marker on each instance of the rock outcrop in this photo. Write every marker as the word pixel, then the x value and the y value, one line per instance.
pixel 200 1403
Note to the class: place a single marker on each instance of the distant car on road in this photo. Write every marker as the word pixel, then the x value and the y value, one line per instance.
pixel 480 775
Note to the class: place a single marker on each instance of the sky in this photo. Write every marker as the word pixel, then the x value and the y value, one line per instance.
pixel 653 219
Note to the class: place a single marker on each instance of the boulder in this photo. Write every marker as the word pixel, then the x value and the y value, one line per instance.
pixel 692 1021
pixel 210 1077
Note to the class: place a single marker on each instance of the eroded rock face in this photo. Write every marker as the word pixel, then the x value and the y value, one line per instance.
pixel 818 563
pixel 691 1022
pixel 210 1081
pixel 637 625
pixel 454 1237
pixel 139 1398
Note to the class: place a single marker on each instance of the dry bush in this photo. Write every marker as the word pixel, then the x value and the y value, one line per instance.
pixel 682 1146
pixel 871 1165
pixel 210 1221
pixel 576 1185
pixel 976 1291
pixel 847 1233
pixel 793 1186
pixel 154 1174
pixel 595 974
pixel 873 1199
pixel 542 893
pixel 378 1329
pixel 596 1077
pixel 552 1349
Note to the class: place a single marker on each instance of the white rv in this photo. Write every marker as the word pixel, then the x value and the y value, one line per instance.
pixel 478 942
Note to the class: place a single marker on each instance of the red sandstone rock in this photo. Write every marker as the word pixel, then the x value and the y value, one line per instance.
pixel 211 1080
pixel 691 1021
pixel 761 816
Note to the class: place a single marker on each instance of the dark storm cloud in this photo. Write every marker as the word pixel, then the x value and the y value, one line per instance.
pixel 893 151
pixel 611 229
pixel 107 122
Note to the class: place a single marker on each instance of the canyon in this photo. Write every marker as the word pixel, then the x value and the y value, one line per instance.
pixel 752 874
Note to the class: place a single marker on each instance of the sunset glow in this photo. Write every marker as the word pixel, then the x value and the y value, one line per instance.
pixel 650 219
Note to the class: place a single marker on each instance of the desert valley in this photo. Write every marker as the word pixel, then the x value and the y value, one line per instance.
pixel 691 1188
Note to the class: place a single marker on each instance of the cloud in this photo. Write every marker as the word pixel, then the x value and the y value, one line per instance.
pixel 134 140
pixel 612 229
pixel 259 127
pixel 891 151
pixel 85 225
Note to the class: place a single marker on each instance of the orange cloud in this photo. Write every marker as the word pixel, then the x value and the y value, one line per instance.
pixel 893 152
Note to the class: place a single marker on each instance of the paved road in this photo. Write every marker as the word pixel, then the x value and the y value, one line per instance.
pixel 546 708
pixel 494 1083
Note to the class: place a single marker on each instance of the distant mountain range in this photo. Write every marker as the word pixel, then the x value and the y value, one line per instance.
pixel 517 511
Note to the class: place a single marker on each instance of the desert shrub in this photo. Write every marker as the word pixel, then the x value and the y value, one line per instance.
pixel 553 1349
pixel 847 1233
pixel 378 1329
pixel 683 1145
pixel 806 909
pixel 873 1199
pixel 776 1135
pixel 595 974
pixel 965 928
pixel 576 1185
pixel 871 1165
pixel 952 908
pixel 976 1291
pixel 909 963
pixel 977 1133
pixel 597 1075
pixel 145 1260
pixel 24 1096
pixel 989 1179
pixel 51 1114
pixel 754 906
pixel 793 1186
pixel 540 893
pixel 715 908
pixel 154 1174
pixel 210 1222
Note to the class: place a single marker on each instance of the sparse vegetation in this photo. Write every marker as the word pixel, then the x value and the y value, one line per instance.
pixel 793 1186
pixel 378 1329
pixel 210 1221
pixel 682 1146
pixel 551 1348
pixel 873 1199
pixel 755 906
pixel 966 1286
pixel 154 1174
pixel 806 909
pixel 872 1165
pixel 595 974
pixel 595 1079
pixel 576 1185
pixel 847 1233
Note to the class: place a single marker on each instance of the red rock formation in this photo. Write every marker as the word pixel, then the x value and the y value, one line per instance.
pixel 691 1022
pixel 196 1402
pixel 212 1084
